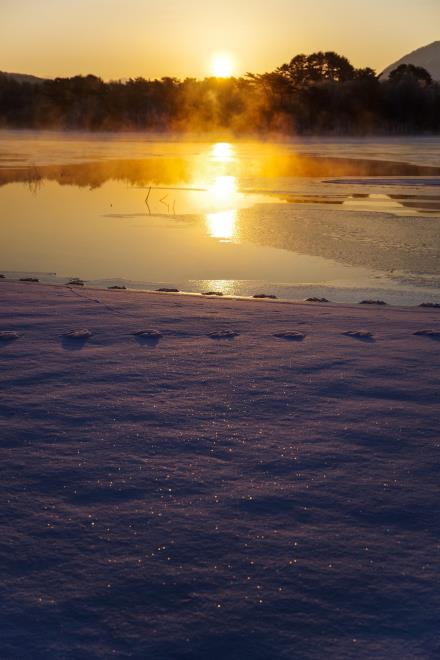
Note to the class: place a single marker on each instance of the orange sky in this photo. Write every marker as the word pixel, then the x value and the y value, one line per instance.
pixel 154 38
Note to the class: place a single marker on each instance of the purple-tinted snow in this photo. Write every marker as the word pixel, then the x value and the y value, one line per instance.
pixel 239 498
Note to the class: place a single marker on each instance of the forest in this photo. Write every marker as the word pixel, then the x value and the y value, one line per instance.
pixel 321 93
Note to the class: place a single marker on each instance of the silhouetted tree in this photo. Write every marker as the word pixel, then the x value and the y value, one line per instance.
pixel 305 69
pixel 409 72
pixel 317 93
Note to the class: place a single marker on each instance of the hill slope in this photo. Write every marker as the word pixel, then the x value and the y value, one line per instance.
pixel 23 77
pixel 428 57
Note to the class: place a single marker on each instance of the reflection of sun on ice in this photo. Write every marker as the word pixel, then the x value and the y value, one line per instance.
pixel 223 190
pixel 228 287
pixel 222 224
pixel 222 65
pixel 222 152
pixel 223 193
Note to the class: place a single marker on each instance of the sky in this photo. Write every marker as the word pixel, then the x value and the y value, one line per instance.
pixel 154 38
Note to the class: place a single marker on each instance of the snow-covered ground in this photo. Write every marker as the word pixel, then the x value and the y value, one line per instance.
pixel 188 497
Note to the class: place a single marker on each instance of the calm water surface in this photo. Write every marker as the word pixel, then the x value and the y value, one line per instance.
pixel 338 218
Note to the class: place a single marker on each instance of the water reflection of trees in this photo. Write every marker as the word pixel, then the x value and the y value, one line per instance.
pixel 95 174
pixel 172 171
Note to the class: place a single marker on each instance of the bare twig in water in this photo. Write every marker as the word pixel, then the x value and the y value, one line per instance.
pixel 146 200
pixel 162 201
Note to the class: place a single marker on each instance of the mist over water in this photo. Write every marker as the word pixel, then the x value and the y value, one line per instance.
pixel 342 217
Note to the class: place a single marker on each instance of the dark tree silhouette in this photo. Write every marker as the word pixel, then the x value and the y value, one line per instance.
pixel 409 72
pixel 306 69
pixel 317 93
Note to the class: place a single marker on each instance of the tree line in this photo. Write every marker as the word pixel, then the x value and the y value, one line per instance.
pixel 321 93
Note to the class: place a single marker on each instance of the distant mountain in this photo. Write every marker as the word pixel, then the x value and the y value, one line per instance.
pixel 428 57
pixel 23 77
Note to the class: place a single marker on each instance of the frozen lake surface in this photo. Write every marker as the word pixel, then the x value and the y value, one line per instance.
pixel 344 219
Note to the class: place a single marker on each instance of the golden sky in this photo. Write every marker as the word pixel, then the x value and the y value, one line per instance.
pixel 154 38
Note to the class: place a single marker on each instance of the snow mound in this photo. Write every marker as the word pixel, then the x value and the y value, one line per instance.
pixel 148 334
pixel 359 334
pixel 81 334
pixel 292 335
pixel 223 334
pixel 8 335
pixel 433 334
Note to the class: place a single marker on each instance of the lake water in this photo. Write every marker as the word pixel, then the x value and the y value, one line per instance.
pixel 344 219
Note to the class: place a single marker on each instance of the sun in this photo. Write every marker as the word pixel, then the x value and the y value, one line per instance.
pixel 222 65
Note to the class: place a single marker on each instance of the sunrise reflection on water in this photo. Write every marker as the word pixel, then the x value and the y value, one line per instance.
pixel 223 195
pixel 227 287
pixel 223 152
pixel 230 217
pixel 222 225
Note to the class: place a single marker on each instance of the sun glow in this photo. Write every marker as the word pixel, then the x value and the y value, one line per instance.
pixel 222 152
pixel 223 197
pixel 223 190
pixel 221 225
pixel 222 65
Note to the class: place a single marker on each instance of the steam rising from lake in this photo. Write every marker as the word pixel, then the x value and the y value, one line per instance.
pixel 329 215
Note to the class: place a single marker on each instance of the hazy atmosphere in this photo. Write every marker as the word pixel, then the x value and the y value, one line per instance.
pixel 155 38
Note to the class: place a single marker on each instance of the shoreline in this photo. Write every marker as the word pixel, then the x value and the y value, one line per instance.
pixel 258 297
